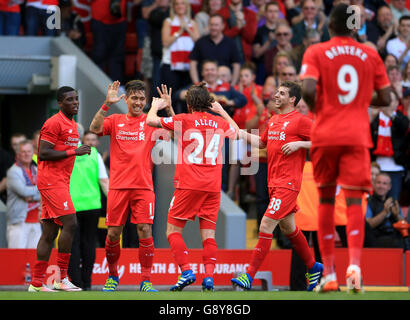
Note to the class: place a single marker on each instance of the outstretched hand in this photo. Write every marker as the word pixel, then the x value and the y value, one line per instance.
pixel 165 94
pixel 159 103
pixel 112 93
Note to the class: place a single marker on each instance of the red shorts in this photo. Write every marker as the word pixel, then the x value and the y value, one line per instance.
pixel 188 204
pixel 347 166
pixel 141 202
pixel 56 203
pixel 282 203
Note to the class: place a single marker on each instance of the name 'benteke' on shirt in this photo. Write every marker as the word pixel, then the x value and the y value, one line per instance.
pixel 346 50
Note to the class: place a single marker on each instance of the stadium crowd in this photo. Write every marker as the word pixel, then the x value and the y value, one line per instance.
pixel 243 50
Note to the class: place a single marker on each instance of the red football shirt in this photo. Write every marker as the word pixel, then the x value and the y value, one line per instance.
pixel 62 133
pixel 347 72
pixel 131 143
pixel 286 171
pixel 200 139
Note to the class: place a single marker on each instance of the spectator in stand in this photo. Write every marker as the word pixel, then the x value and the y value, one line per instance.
pixel 215 46
pixel 312 19
pixel 367 31
pixel 37 13
pixel 283 35
pixel 23 200
pixel 398 8
pixel 240 24
pixel 71 24
pixel 389 130
pixel 395 78
pixel 390 60
pixel 242 116
pixel 179 33
pixel 265 39
pixel 109 27
pixel 399 46
pixel 89 174
pixel 209 8
pixel 15 140
pixel 382 212
pixel 385 27
pixel 156 20
pixel 10 18
pixel 311 36
pixel 405 82
pixel 259 7
pixel 286 73
pixel 224 74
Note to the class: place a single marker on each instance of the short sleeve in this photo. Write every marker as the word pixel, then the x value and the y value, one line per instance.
pixel 169 122
pixel 305 126
pixel 230 131
pixel 310 68
pixel 50 131
pixel 107 125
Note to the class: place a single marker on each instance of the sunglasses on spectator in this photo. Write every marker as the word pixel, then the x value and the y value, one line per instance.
pixel 309 8
pixel 279 34
pixel 287 74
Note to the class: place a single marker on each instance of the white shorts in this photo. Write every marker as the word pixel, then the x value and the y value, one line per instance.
pixel 23 235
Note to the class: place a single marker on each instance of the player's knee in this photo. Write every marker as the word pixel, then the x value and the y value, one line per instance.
pixel 114 234
pixel 144 230
pixel 266 226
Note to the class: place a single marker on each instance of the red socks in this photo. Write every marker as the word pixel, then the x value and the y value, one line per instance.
pixel 62 262
pixel 355 226
pixel 112 252
pixel 40 269
pixel 39 273
pixel 301 247
pixel 326 236
pixel 146 257
pixel 209 256
pixel 259 253
pixel 179 250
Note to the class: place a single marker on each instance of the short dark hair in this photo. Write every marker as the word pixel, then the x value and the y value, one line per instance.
pixel 134 85
pixel 406 17
pixel 217 15
pixel 294 90
pixel 89 132
pixel 338 20
pixel 199 98
pixel 62 91
pixel 248 65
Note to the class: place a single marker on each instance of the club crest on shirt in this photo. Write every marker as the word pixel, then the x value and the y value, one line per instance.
pixel 285 124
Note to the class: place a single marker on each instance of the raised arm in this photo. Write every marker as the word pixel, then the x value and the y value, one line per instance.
pixel 96 125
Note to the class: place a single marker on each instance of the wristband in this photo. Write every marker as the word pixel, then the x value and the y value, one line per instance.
pixel 105 107
pixel 70 152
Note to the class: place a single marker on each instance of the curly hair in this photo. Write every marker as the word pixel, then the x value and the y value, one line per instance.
pixel 199 98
